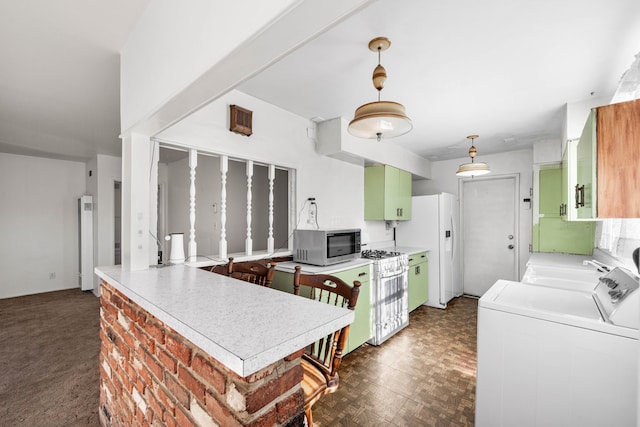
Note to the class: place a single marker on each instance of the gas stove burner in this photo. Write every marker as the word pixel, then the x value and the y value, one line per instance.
pixel 378 254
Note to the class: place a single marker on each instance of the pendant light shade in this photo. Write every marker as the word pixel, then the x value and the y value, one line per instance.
pixel 380 119
pixel 472 169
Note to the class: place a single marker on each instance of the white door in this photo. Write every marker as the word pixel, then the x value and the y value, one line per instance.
pixel 490 241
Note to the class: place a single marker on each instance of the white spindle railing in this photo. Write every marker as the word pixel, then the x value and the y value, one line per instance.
pixel 193 163
pixel 249 242
pixel 222 244
pixel 272 177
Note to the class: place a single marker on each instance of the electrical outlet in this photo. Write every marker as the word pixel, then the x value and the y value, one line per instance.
pixel 52 275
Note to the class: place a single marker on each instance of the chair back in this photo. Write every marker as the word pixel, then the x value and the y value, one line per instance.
pixel 220 269
pixel 326 353
pixel 260 273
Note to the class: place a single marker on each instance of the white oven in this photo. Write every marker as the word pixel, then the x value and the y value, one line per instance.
pixel 389 293
pixel 550 356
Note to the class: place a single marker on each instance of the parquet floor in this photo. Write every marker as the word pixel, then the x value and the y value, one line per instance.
pixel 423 376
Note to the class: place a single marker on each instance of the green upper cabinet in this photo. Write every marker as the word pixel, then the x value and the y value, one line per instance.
pixel 387 193
pixel 550 232
pixel 550 192
pixel 564 189
pixel 584 191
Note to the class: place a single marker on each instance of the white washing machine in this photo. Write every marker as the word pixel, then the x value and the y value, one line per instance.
pixel 559 357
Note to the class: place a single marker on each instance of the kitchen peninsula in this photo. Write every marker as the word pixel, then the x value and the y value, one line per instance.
pixel 182 346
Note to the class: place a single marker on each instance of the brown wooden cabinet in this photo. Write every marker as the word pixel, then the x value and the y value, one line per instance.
pixel 604 173
pixel 618 160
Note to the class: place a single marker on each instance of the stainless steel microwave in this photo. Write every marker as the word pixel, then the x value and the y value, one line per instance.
pixel 325 247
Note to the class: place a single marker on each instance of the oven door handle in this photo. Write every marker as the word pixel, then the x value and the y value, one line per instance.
pixel 393 275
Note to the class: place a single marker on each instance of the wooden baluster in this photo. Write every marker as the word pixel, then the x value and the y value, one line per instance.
pixel 222 244
pixel 193 247
pixel 249 242
pixel 272 177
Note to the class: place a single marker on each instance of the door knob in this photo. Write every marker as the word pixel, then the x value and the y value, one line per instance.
pixel 510 246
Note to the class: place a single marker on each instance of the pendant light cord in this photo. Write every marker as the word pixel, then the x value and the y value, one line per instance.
pixel 379 90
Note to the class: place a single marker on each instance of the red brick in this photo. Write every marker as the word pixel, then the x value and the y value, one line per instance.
pixel 140 385
pixel 105 291
pixel 175 388
pixel 143 338
pixel 219 412
pixel 290 406
pixel 131 372
pixel 148 416
pixel 133 312
pixel 183 419
pixel 120 294
pixel 154 403
pixel 257 376
pixel 170 422
pixel 178 348
pixel 124 380
pixel 191 383
pixel 265 394
pixel 294 356
pixel 139 416
pixel 117 301
pixel 155 330
pixel 145 375
pixel 123 347
pixel 154 366
pixel 107 383
pixel 166 400
pixel 109 308
pixel 168 361
pixel 209 373
pixel 266 420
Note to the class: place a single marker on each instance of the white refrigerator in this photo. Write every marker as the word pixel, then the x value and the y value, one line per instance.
pixel 434 225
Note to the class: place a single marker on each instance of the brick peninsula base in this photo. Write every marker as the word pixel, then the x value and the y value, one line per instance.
pixel 151 375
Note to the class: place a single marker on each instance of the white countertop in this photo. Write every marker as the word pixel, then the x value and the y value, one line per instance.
pixel 289 266
pixel 244 326
pixel 408 250
pixel 559 260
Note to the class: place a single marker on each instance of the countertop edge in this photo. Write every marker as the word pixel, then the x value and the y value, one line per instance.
pixel 241 366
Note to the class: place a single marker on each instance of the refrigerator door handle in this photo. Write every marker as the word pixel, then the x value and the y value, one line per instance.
pixel 453 240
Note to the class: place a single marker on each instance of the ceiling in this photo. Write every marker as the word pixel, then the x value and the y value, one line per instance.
pixel 502 69
pixel 499 68
pixel 60 75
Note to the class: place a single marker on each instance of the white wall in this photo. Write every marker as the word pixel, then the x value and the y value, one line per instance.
pixel 520 162
pixel 38 224
pixel 281 138
pixel 172 45
pixel 105 170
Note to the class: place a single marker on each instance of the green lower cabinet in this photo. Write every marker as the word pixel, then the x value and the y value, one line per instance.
pixel 283 281
pixel 418 280
pixel 361 328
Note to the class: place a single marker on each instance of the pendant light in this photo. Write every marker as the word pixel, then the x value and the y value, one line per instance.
pixel 473 169
pixel 380 119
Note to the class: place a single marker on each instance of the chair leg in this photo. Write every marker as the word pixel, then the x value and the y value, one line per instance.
pixel 309 417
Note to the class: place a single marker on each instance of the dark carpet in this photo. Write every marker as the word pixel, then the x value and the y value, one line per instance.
pixel 49 346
